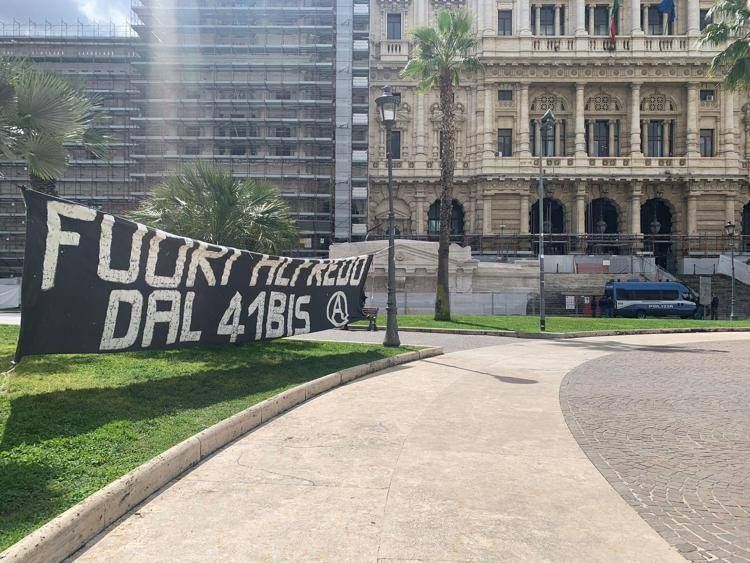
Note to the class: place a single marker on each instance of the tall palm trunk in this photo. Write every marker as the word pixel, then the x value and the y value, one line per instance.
pixel 447 168
pixel 45 186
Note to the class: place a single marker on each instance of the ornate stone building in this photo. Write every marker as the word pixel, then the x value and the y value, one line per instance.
pixel 645 141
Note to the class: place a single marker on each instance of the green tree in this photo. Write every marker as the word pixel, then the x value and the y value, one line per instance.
pixel 204 202
pixel 441 57
pixel 730 27
pixel 40 113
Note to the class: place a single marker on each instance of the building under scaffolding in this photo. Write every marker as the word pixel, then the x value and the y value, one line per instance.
pixel 275 89
pixel 101 57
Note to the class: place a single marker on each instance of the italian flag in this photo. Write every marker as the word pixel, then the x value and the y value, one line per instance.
pixel 613 20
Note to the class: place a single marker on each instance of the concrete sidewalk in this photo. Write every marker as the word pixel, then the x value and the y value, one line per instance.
pixel 461 457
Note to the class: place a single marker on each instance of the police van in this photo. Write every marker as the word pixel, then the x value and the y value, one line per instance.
pixel 651 299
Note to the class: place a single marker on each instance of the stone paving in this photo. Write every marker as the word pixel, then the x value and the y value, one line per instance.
pixel 448 342
pixel 670 430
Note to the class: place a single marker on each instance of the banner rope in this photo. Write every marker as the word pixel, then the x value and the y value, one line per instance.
pixel 5 381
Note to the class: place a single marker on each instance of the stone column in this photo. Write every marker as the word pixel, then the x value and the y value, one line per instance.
pixel 635 120
pixel 420 127
pixel 489 122
pixel 644 132
pixel 591 20
pixel 665 137
pixel 635 13
pixel 692 121
pixel 580 124
pixel 561 137
pixel 420 11
pixel 523 216
pixel 592 149
pixel 490 24
pixel 727 111
pixel 692 213
pixel 537 138
pixel 523 126
pixel 581 18
pixel 524 28
pixel 557 19
pixel 581 208
pixel 487 215
pixel 538 20
pixel 635 209
pixel 729 207
pixel 420 216
pixel 665 24
pixel 481 24
pixel 693 18
pixel 611 129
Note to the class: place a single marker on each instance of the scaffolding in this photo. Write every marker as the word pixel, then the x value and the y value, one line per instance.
pixel 102 62
pixel 249 84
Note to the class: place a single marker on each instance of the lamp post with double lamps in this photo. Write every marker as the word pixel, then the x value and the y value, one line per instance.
pixel 547 122
pixel 387 104
pixel 730 229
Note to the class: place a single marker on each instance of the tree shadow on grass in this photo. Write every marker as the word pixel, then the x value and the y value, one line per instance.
pixel 69 412
pixel 28 498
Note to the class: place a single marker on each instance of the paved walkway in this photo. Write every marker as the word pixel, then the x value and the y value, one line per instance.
pixel 671 433
pixel 448 342
pixel 462 457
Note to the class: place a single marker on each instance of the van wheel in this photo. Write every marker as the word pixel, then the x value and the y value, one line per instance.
pixel 641 314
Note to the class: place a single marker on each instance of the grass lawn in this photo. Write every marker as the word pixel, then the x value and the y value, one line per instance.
pixel 71 424
pixel 554 324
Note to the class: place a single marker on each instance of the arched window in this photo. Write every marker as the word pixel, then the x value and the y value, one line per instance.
pixel 602 217
pixel 554 216
pixel 457 218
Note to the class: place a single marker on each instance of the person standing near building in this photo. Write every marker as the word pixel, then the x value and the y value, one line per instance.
pixel 715 308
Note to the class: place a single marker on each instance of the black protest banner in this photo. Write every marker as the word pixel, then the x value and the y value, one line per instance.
pixel 94 282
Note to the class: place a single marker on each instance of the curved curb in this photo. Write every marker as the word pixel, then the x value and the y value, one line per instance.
pixel 563 335
pixel 68 532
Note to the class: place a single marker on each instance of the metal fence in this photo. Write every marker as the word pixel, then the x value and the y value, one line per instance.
pixel 595 244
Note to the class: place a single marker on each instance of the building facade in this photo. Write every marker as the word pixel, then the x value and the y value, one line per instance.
pixel 102 60
pixel 273 89
pixel 645 144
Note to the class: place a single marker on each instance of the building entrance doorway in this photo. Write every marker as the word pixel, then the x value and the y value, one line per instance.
pixel 656 226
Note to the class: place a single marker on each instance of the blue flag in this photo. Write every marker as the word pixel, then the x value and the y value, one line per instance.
pixel 667 7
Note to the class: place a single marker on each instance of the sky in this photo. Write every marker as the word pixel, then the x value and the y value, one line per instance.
pixel 87 11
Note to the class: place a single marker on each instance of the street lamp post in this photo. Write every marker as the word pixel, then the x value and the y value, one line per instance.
pixel 387 104
pixel 729 228
pixel 548 120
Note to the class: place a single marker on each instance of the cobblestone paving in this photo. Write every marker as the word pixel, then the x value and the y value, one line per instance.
pixel 670 431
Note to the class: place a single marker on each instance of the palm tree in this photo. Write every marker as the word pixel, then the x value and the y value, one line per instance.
pixel 204 202
pixel 441 57
pixel 731 24
pixel 40 113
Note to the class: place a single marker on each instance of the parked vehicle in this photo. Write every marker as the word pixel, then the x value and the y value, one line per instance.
pixel 651 299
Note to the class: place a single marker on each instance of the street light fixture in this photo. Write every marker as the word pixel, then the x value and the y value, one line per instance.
pixel 387 104
pixel 730 229
pixel 547 122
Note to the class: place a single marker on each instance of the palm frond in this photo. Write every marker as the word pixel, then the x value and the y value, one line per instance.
pixel 206 203
pixel 45 155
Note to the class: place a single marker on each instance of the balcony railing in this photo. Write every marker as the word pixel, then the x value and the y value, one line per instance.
pixel 598 46
pixel 394 50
